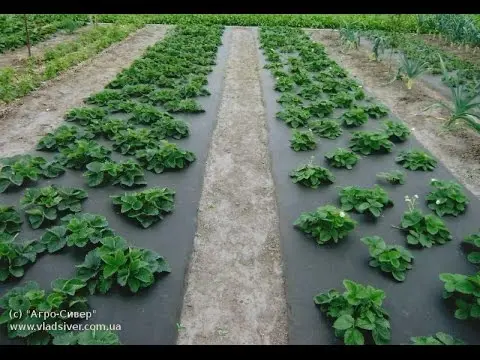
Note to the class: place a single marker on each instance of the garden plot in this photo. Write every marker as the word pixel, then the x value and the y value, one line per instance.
pixel 148 305
pixel 457 149
pixel 415 306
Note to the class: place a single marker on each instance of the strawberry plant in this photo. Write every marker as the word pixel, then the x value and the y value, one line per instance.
pixel 82 152
pixel 294 116
pixel 356 116
pixel 342 100
pixel 17 170
pixel 171 128
pixel 63 136
pixel 44 204
pixel 162 96
pixel 290 99
pixel 86 115
pixel 30 298
pixel 440 338
pixel 10 222
pixel 423 230
pixel 15 256
pixel 127 142
pixel 465 291
pixel 302 140
pixel 447 198
pixel 321 108
pixel 284 83
pixel 146 207
pixel 356 311
pixel 126 174
pixel 394 177
pixel 167 156
pixel 312 176
pixel 472 244
pixel 184 106
pixel 342 158
pixel 394 259
pixel 110 128
pixel 371 201
pixel 329 129
pixel 148 114
pixel 87 337
pixel 325 224
pixel 137 90
pixel 301 77
pixel 311 92
pixel 369 142
pixel 376 111
pixel 114 262
pixel 396 131
pixel 126 106
pixel 77 230
pixel 103 97
pixel 416 160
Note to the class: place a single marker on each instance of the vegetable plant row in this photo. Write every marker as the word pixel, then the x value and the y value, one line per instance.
pixel 328 113
pixel 136 118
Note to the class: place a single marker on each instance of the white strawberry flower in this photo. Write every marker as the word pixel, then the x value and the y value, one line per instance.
pixel 415 196
pixel 342 214
pixel 437 202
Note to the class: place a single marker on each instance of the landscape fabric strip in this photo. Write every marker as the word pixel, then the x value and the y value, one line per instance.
pixel 115 241
pixel 414 306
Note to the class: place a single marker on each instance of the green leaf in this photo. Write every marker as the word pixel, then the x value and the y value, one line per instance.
pixel 353 337
pixel 344 322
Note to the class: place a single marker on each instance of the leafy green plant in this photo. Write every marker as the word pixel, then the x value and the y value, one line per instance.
pixel 126 174
pixel 446 198
pixel 63 136
pixel 440 338
pixel 66 295
pixel 77 230
pixel 329 129
pixel 146 207
pixel 10 221
pixel 86 115
pixel 376 111
pixel 394 259
pixel 166 156
pixel 416 160
pixel 114 262
pixel 342 99
pixel 394 177
pixel 342 158
pixel 184 106
pixel 284 83
pixel 171 128
pixel 357 310
pixel 290 99
pixel 312 176
pixel 472 244
pixel 369 142
pixel 355 117
pixel 465 291
pixel 325 224
pixel 303 140
pixel 310 92
pixel 15 256
pixel 44 204
pixel 82 152
pixel 371 201
pixel 147 114
pixel 294 116
pixel 396 131
pixel 17 170
pixel 103 97
pixel 127 142
pixel 423 230
pixel 137 90
pixel 321 108
pixel 409 70
pixel 110 128
pixel 87 337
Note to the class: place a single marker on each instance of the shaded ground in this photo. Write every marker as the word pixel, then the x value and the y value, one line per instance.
pixel 459 150
pixel 235 292
pixel 16 57
pixel 25 121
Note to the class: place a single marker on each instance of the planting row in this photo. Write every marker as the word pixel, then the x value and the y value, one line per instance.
pixel 318 96
pixel 134 115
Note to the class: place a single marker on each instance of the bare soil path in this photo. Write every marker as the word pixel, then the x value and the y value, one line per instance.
pixel 459 150
pixel 26 121
pixel 235 287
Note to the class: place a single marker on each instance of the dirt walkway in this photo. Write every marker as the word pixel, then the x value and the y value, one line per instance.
pixel 459 150
pixel 15 57
pixel 27 121
pixel 235 288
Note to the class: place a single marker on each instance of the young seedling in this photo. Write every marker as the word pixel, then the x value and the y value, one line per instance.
pixel 357 312
pixel 394 259
pixel 325 224
pixel 303 140
pixel 394 177
pixel 409 70
pixel 416 160
pixel 311 175
pixel 342 158
pixel 371 201
pixel 329 129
